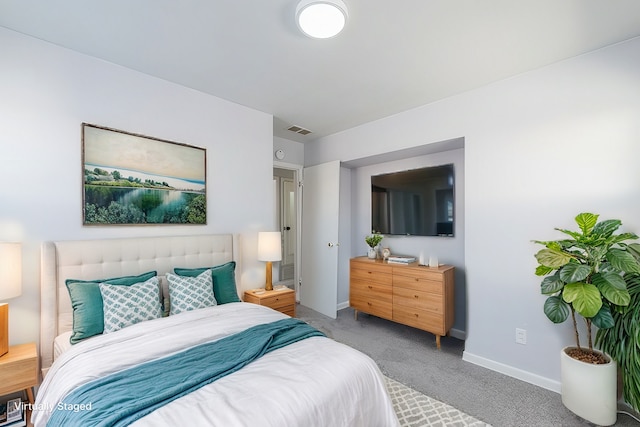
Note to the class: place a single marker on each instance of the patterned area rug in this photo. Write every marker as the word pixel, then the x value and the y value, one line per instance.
pixel 414 409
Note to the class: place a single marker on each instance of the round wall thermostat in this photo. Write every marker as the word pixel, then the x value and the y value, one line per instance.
pixel 279 154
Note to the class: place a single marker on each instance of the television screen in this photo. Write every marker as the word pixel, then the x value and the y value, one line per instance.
pixel 417 202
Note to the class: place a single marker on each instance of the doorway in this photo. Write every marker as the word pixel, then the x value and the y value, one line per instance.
pixel 286 185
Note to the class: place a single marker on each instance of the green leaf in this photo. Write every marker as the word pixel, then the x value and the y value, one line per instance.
pixel 574 272
pixel 611 278
pixel 613 288
pixel 634 249
pixel 551 285
pixel 586 222
pixel 573 234
pixel 552 258
pixel 584 297
pixel 556 309
pixel 542 270
pixel 622 237
pixel 603 319
pixel 607 227
pixel 623 261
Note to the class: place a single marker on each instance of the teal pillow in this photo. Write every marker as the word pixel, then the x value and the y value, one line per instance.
pixel 224 280
pixel 86 301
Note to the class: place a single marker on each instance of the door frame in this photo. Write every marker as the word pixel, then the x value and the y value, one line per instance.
pixel 297 177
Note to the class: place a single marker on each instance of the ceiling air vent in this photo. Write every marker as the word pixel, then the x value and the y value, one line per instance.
pixel 298 129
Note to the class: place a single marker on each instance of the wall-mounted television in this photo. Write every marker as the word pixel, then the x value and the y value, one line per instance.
pixel 416 202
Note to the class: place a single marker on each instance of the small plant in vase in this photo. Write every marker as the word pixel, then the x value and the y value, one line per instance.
pixel 373 240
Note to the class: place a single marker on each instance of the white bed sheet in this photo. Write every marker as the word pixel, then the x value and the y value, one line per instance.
pixel 61 344
pixel 314 382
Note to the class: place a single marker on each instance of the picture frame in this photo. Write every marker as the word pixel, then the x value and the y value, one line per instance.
pixel 133 179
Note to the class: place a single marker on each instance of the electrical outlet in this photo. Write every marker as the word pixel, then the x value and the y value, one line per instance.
pixel 521 336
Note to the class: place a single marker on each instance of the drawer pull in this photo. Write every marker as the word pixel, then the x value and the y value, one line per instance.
pixel 370 287
pixel 368 303
pixel 416 314
pixel 415 296
pixel 416 279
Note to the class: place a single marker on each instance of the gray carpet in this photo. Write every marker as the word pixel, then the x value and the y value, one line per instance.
pixel 410 357
pixel 414 409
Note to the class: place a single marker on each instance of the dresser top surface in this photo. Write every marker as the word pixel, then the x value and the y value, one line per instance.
pixel 367 260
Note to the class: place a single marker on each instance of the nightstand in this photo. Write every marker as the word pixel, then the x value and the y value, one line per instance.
pixel 19 370
pixel 283 301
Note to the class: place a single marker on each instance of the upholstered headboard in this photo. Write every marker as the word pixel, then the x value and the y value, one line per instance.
pixel 99 259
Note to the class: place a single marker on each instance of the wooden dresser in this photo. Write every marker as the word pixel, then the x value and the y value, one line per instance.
pixel 414 295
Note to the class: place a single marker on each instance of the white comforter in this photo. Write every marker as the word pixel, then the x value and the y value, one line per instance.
pixel 314 382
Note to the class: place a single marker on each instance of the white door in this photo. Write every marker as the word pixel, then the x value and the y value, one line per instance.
pixel 320 209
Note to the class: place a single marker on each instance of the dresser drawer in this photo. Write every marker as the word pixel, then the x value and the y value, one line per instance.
pixel 368 289
pixel 425 273
pixel 418 283
pixel 421 319
pixel 375 307
pixel 371 274
pixel 413 299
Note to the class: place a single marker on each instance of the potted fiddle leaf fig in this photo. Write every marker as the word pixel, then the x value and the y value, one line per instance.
pixel 584 278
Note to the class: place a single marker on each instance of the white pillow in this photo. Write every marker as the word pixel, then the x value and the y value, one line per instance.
pixel 128 305
pixel 190 293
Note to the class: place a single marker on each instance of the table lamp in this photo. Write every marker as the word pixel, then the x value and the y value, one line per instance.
pixel 269 249
pixel 10 286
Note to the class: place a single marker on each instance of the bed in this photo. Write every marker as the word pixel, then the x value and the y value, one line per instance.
pixel 267 369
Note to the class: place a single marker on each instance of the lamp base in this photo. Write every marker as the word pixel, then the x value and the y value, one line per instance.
pixel 4 328
pixel 269 277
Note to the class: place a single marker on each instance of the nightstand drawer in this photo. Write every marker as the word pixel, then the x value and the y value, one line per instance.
pixel 19 368
pixel 279 300
pixel 282 301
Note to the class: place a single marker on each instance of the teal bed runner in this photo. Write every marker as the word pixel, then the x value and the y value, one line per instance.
pixel 126 396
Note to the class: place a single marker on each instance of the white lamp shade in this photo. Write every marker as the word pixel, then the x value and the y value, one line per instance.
pixel 321 18
pixel 269 246
pixel 10 270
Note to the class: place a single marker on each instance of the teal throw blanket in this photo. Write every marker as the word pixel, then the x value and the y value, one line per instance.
pixel 126 396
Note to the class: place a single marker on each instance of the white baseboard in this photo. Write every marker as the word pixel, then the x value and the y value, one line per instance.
pixel 534 379
pixel 343 305
pixel 457 333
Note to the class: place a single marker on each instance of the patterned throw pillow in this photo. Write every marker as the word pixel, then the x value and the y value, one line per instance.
pixel 224 280
pixel 190 293
pixel 127 305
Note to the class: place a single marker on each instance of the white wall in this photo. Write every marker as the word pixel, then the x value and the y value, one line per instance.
pixel 46 93
pixel 539 148
pixel 293 151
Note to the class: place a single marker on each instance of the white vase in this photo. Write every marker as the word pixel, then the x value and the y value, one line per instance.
pixel 372 254
pixel 588 390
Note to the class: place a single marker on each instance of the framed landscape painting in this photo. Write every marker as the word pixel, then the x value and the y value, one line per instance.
pixel 131 179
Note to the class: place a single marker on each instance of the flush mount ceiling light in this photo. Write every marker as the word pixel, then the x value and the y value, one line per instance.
pixel 321 19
